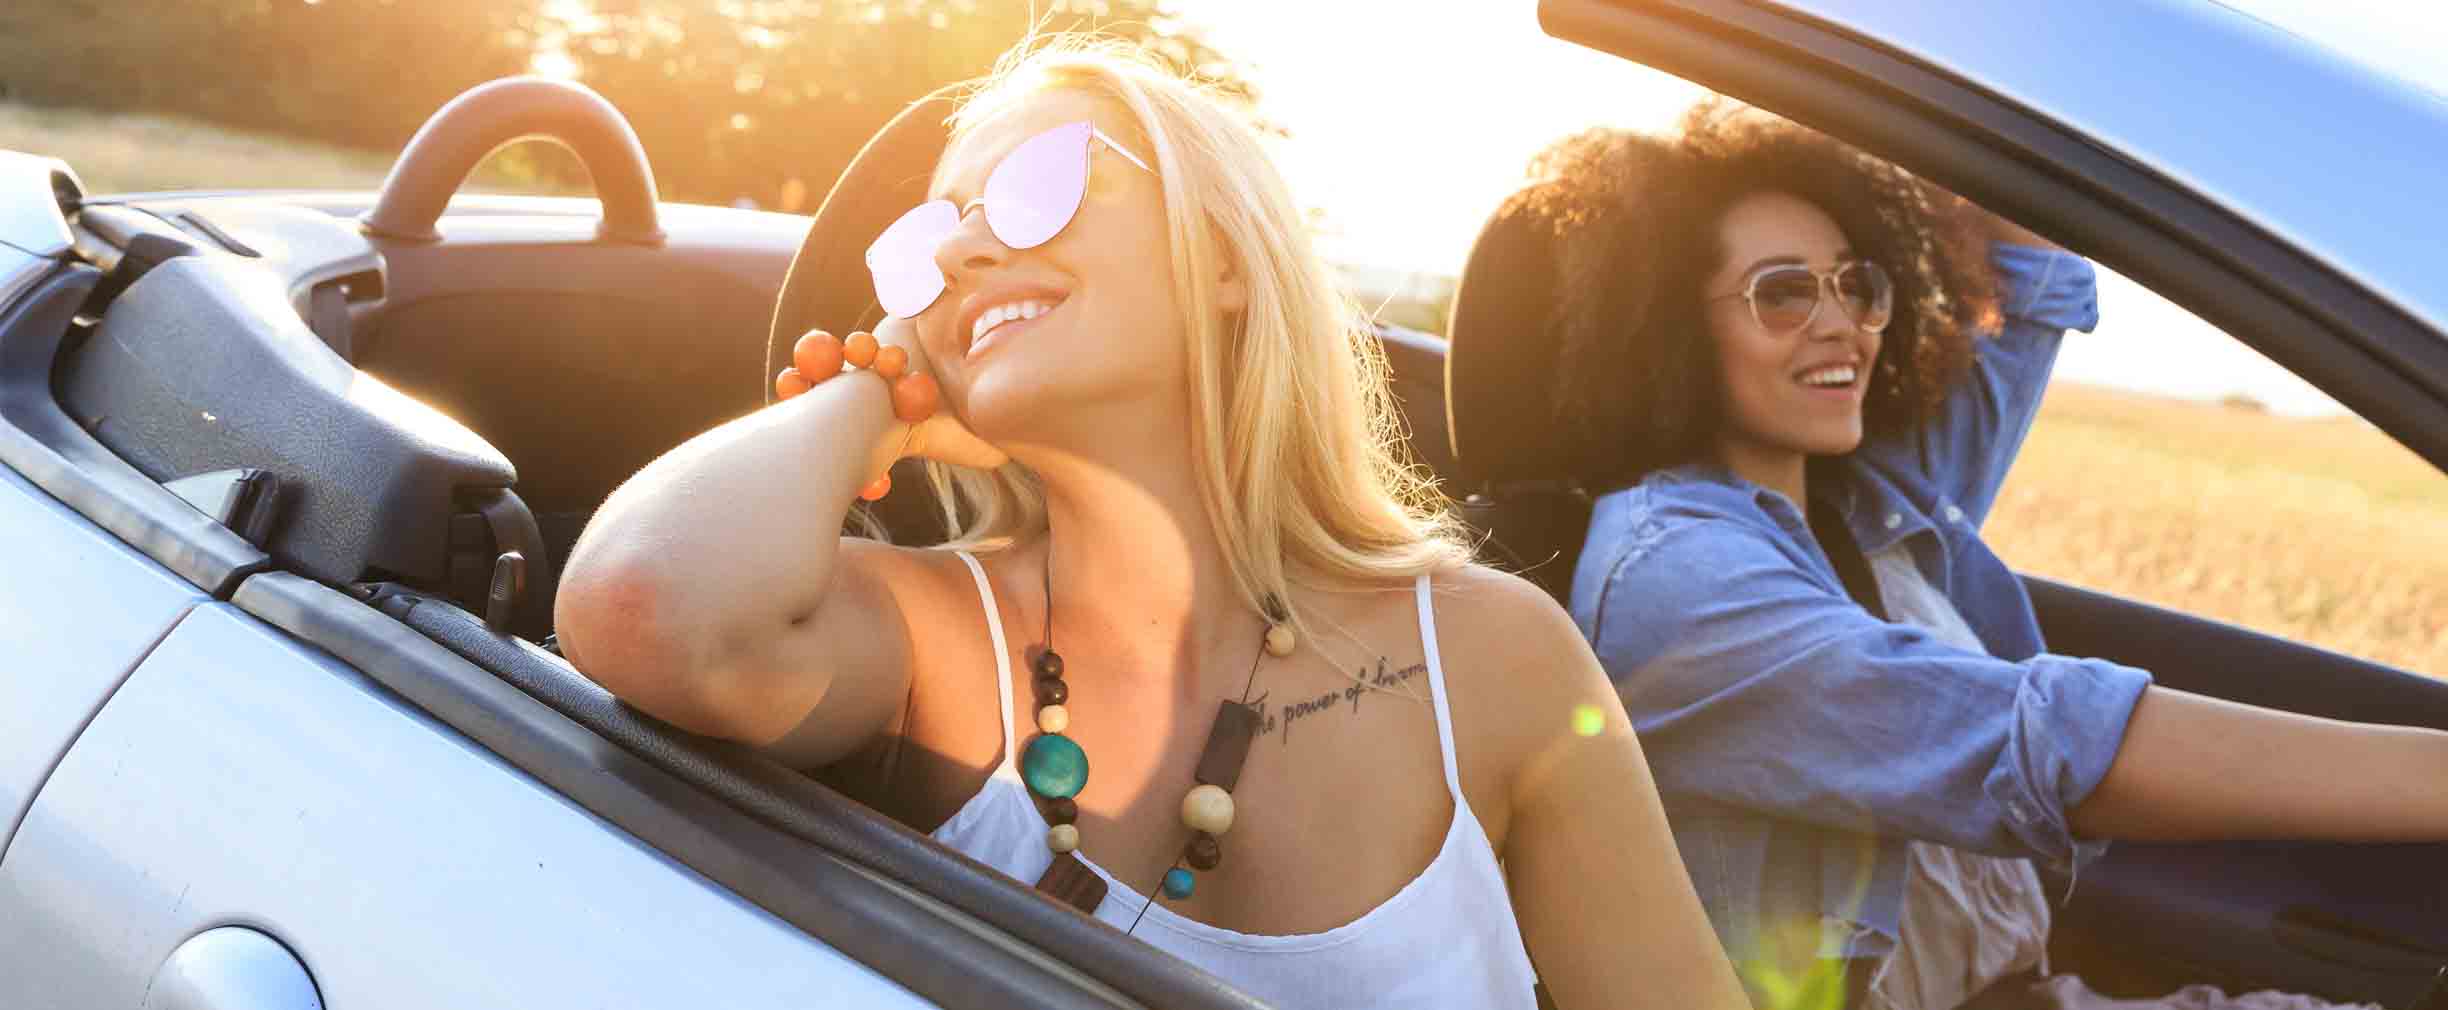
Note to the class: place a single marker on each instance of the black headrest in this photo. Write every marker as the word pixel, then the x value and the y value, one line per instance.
pixel 1502 354
pixel 828 284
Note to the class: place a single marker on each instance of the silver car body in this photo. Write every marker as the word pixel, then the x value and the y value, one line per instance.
pixel 223 774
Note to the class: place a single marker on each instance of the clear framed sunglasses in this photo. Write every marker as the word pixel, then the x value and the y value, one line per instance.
pixel 1785 299
pixel 1030 197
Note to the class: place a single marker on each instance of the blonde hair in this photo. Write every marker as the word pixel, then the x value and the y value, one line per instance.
pixel 1294 436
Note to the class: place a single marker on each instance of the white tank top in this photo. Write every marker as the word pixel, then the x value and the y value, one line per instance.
pixel 1447 939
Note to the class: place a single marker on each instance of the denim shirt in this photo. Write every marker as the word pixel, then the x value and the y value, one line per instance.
pixel 1800 742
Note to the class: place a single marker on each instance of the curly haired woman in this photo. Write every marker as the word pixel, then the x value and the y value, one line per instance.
pixel 1805 374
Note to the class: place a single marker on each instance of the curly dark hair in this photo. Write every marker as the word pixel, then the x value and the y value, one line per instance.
pixel 1635 219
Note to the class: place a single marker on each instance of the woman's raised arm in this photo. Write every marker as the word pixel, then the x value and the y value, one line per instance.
pixel 714 588
pixel 1968 447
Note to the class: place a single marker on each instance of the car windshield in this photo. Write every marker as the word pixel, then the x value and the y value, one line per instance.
pixel 2401 40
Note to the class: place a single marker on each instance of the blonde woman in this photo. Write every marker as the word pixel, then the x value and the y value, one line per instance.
pixel 1202 659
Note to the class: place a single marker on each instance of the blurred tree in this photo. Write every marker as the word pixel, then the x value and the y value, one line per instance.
pixel 732 98
pixel 740 97
pixel 364 73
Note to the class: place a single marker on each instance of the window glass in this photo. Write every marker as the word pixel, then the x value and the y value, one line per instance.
pixel 2173 465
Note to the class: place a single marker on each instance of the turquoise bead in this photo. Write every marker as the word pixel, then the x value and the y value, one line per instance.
pixel 1178 883
pixel 1054 766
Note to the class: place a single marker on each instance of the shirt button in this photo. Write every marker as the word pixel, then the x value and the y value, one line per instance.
pixel 1954 515
pixel 1894 520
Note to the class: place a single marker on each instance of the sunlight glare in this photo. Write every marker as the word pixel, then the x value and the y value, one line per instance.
pixel 552 57
pixel 1406 145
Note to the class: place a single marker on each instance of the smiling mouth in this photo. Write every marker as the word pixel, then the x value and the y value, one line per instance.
pixel 1830 377
pixel 1005 318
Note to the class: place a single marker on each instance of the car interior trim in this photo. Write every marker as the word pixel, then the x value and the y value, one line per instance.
pixel 50 449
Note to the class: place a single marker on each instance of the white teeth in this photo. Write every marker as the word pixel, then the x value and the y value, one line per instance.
pixel 1834 375
pixel 1027 308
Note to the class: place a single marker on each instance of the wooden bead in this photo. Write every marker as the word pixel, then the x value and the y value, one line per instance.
pixel 1054 766
pixel 1203 853
pixel 1062 838
pixel 790 383
pixel 1208 808
pixel 860 349
pixel 1053 719
pixel 1052 691
pixel 1061 810
pixel 1228 745
pixel 1047 664
pixel 1070 881
pixel 915 397
pixel 1280 641
pixel 891 361
pixel 1179 883
pixel 818 355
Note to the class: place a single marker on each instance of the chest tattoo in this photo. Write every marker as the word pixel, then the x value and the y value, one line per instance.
pixel 1280 716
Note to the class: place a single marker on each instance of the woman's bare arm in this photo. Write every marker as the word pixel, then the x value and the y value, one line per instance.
pixel 2194 768
pixel 714 590
pixel 1606 907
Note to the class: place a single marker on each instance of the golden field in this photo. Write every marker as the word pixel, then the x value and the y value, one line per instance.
pixel 2320 530
pixel 119 153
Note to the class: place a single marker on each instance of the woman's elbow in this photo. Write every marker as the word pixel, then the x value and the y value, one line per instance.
pixel 614 626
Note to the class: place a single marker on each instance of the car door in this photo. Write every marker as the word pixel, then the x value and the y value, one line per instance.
pixel 239 777
pixel 2182 191
pixel 228 784
pixel 77 609
pixel 197 806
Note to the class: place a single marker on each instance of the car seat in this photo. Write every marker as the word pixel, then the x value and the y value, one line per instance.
pixel 1513 474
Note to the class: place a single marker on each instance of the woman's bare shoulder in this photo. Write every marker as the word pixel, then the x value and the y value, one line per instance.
pixel 1519 673
pixel 1489 617
pixel 915 576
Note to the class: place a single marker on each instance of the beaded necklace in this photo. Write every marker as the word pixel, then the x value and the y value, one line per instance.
pixel 1055 769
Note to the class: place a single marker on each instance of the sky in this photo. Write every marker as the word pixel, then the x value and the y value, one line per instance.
pixel 1460 93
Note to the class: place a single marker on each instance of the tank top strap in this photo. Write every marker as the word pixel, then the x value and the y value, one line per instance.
pixel 1009 768
pixel 1436 687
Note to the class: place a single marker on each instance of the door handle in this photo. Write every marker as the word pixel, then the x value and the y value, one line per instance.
pixel 232 968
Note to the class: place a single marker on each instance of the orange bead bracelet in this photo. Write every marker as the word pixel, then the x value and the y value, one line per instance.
pixel 819 356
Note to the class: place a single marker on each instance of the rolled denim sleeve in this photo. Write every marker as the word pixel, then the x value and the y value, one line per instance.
pixel 1968 447
pixel 1753 681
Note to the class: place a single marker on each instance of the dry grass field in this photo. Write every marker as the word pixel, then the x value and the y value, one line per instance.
pixel 116 153
pixel 2324 531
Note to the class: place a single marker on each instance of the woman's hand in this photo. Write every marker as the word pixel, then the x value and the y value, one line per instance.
pixel 925 431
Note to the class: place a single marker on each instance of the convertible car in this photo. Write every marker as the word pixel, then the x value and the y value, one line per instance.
pixel 285 478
